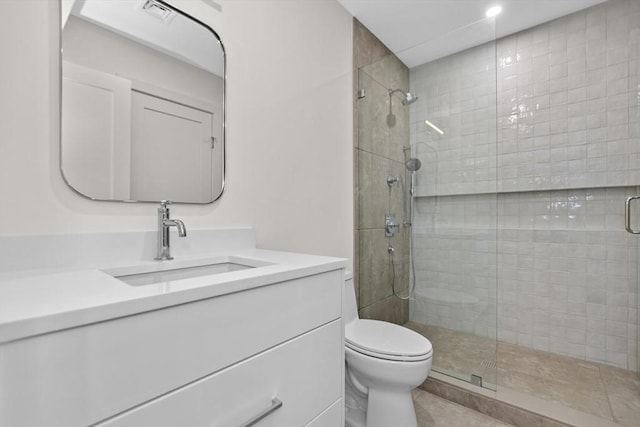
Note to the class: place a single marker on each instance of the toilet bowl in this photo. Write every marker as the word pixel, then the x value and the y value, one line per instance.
pixel 384 363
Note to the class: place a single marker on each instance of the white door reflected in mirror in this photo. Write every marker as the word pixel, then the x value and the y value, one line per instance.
pixel 142 103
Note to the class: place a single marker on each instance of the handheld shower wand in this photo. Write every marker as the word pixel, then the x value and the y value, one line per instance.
pixel 412 166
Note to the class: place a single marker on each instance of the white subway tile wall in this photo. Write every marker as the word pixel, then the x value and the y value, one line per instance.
pixel 560 100
pixel 564 284
pixel 526 187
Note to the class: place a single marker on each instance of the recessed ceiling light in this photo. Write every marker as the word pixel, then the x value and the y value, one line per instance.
pixel 493 11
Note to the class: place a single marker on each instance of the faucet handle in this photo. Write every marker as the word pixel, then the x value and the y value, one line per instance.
pixel 164 204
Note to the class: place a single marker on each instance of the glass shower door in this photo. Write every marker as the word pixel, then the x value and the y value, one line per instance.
pixel 455 222
pixel 632 226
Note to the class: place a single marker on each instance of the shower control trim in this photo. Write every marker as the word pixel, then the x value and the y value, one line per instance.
pixel 390 225
pixel 391 180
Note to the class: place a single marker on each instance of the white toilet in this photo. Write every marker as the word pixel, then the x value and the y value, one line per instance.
pixel 384 363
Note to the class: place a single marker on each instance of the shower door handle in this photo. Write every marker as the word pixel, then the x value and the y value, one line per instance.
pixel 627 215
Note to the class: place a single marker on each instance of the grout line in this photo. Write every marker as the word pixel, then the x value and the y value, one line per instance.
pixel 606 393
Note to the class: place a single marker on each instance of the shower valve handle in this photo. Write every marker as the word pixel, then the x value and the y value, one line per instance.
pixel 390 225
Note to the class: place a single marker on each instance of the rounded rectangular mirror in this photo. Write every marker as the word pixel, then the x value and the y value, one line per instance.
pixel 142 110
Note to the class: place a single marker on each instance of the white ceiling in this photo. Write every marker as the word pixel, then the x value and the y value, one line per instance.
pixel 419 31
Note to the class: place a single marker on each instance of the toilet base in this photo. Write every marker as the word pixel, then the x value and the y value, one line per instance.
pixel 355 419
pixel 390 408
pixel 355 405
pixel 378 408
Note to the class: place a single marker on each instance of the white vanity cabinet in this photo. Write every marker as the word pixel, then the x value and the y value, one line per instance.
pixel 213 362
pixel 289 384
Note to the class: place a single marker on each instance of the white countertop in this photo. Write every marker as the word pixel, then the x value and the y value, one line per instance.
pixel 42 301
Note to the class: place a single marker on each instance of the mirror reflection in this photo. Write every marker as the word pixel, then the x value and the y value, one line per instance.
pixel 142 103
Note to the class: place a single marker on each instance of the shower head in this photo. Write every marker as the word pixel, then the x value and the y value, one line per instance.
pixel 413 164
pixel 407 97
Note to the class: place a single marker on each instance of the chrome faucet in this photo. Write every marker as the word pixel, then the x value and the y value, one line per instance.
pixel 164 222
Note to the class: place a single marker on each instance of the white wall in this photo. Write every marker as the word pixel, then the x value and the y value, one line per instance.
pixel 289 128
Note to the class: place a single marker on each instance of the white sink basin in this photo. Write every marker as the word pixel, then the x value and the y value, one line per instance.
pixel 167 272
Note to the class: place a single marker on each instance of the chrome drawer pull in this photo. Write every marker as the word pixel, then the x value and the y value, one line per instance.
pixel 275 405
pixel 627 215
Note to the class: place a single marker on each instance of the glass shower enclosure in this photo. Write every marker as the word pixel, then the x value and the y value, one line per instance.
pixel 455 233
pixel 513 245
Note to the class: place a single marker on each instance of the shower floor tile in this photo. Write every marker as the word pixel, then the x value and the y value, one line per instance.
pixel 623 391
pixel 460 355
pixel 595 389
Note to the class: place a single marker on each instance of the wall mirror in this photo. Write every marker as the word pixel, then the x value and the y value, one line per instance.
pixel 142 110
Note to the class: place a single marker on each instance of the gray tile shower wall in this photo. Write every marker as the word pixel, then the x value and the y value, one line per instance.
pixel 381 132
pixel 537 203
pixel 565 266
pixel 565 114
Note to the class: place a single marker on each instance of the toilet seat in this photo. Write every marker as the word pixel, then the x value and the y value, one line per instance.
pixel 387 341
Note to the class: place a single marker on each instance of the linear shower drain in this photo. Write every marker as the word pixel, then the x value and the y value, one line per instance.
pixel 491 364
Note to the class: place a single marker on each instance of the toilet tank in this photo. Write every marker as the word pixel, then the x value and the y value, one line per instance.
pixel 350 309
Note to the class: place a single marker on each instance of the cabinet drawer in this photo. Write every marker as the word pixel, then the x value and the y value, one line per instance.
pixel 333 416
pixel 305 374
pixel 80 376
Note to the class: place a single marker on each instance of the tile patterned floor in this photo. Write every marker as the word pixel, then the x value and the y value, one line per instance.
pixel 433 411
pixel 600 390
pixel 461 355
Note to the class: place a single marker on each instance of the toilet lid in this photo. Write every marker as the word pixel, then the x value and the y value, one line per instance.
pixel 386 341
